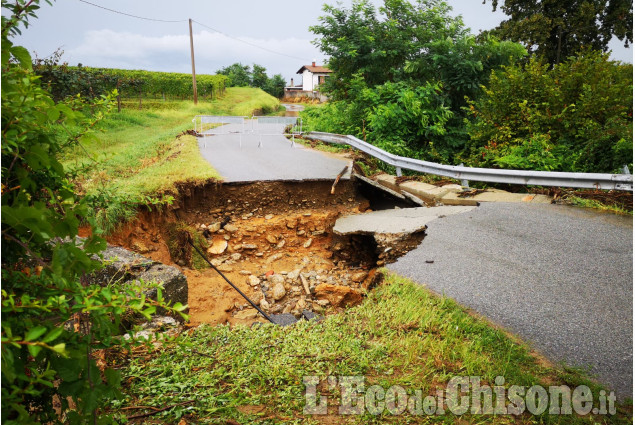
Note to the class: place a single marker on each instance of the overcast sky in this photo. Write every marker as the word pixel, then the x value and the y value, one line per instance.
pixel 229 33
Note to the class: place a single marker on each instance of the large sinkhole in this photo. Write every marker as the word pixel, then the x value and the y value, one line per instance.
pixel 275 241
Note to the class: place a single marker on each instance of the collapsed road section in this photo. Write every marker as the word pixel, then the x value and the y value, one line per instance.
pixel 293 248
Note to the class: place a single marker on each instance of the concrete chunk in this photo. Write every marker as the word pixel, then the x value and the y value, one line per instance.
pixel 453 198
pixel 406 220
pixel 122 266
pixel 424 191
pixel 380 187
pixel 414 199
pixel 389 181
pixel 173 282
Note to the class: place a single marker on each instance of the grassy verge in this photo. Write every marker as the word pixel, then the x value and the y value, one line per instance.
pixel 401 335
pixel 614 208
pixel 138 156
pixel 247 101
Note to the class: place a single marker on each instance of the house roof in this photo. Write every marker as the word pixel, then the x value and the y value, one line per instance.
pixel 314 69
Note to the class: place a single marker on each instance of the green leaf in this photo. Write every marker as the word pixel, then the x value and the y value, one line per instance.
pixel 60 348
pixel 179 307
pixel 52 335
pixel 23 56
pixel 113 377
pixel 53 114
pixel 34 333
pixel 34 350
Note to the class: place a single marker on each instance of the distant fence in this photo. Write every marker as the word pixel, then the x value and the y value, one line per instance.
pixel 214 125
pixel 277 125
pixel 524 177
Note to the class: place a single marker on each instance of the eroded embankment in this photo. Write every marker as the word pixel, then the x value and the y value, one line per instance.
pixel 274 240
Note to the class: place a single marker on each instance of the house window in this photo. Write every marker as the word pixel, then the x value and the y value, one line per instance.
pixel 321 79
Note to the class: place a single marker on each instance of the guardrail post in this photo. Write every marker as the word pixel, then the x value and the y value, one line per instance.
pixel 398 171
pixel 625 170
pixel 464 182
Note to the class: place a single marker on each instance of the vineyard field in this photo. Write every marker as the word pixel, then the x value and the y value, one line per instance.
pixel 64 81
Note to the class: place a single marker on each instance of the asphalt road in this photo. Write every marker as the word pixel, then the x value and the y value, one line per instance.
pixel 260 152
pixel 559 277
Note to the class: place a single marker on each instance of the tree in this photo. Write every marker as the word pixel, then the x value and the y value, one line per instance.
pixel 577 116
pixel 420 47
pixel 275 86
pixel 239 75
pixel 557 29
pixel 242 76
pixel 377 44
pixel 259 77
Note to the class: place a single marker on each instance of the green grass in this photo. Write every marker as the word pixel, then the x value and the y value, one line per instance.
pixel 401 334
pixel 597 205
pixel 323 146
pixel 137 157
pixel 247 101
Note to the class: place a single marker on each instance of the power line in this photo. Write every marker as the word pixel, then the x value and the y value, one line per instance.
pixel 199 23
pixel 132 16
pixel 249 43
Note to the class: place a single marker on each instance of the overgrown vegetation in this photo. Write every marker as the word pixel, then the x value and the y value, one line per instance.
pixel 410 79
pixel 401 74
pixel 52 318
pixel 401 334
pixel 577 116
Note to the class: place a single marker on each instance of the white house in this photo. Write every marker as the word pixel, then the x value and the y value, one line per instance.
pixel 313 76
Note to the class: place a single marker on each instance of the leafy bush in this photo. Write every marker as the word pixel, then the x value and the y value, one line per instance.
pixel 580 113
pixel 394 116
pixel 401 74
pixel 52 319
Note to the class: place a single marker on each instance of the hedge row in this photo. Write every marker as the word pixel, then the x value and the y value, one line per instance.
pixel 63 81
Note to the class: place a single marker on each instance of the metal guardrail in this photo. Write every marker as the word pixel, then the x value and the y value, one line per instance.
pixel 491 175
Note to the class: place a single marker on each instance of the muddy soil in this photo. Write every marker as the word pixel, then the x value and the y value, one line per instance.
pixel 273 240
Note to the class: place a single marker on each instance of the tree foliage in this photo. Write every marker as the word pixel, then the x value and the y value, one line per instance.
pixel 240 75
pixel 577 116
pixel 400 52
pixel 52 319
pixel 557 29
pixel 377 44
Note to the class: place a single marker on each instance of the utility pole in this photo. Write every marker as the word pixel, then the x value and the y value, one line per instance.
pixel 193 67
pixel 559 44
